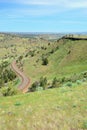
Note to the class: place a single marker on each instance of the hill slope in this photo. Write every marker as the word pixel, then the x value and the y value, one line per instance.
pixel 56 109
pixel 66 57
pixel 61 108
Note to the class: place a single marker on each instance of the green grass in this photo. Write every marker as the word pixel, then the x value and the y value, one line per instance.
pixel 62 108
pixel 55 109
pixel 60 62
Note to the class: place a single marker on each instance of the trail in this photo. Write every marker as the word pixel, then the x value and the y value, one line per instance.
pixel 25 80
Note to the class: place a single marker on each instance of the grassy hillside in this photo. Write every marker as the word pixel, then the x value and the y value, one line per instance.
pixel 55 109
pixel 68 57
pixel 62 108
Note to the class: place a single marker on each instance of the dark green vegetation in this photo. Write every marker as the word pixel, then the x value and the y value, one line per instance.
pixel 6 78
pixel 6 74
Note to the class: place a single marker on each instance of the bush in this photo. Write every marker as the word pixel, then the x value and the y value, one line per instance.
pixel 9 91
pixel 6 75
pixel 32 53
pixel 44 61
pixel 63 80
pixel 40 85
pixel 26 55
pixel 57 47
pixel 52 51
pixel 34 86
pixel 20 58
pixel 74 77
pixel 55 83
pixel 69 84
pixel 1 82
pixel 39 88
pixel 85 74
pixel 69 52
pixel 78 82
pixel 43 82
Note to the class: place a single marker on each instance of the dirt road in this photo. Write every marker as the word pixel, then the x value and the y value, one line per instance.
pixel 25 81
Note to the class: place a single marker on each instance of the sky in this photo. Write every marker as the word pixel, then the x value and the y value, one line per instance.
pixel 43 15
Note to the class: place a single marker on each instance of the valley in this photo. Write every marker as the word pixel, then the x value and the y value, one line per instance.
pixel 43 81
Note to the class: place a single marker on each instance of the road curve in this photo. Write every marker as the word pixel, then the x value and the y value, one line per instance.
pixel 25 81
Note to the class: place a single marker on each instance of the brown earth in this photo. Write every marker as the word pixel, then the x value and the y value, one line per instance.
pixel 25 81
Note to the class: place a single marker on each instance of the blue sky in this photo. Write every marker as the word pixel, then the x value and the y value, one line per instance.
pixel 43 15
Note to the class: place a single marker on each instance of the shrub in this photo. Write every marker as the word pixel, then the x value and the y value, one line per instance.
pixel 26 55
pixel 85 74
pixel 44 61
pixel 78 82
pixel 39 85
pixel 69 52
pixel 57 47
pixel 43 82
pixel 49 44
pixel 20 58
pixel 74 77
pixel 6 75
pixel 4 64
pixel 63 80
pixel 34 86
pixel 1 82
pixel 17 104
pixel 52 51
pixel 44 48
pixel 55 83
pixel 84 79
pixel 39 88
pixel 69 84
pixel 32 53
pixel 9 91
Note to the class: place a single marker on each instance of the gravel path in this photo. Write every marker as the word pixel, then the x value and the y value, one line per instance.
pixel 25 81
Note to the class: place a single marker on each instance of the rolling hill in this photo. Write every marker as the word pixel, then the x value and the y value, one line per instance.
pixel 63 107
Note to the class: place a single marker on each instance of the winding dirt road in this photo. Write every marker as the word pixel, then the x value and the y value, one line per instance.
pixel 25 80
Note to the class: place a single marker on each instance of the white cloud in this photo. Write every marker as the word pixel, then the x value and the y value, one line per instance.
pixel 64 3
pixel 44 7
pixel 78 4
pixel 59 3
